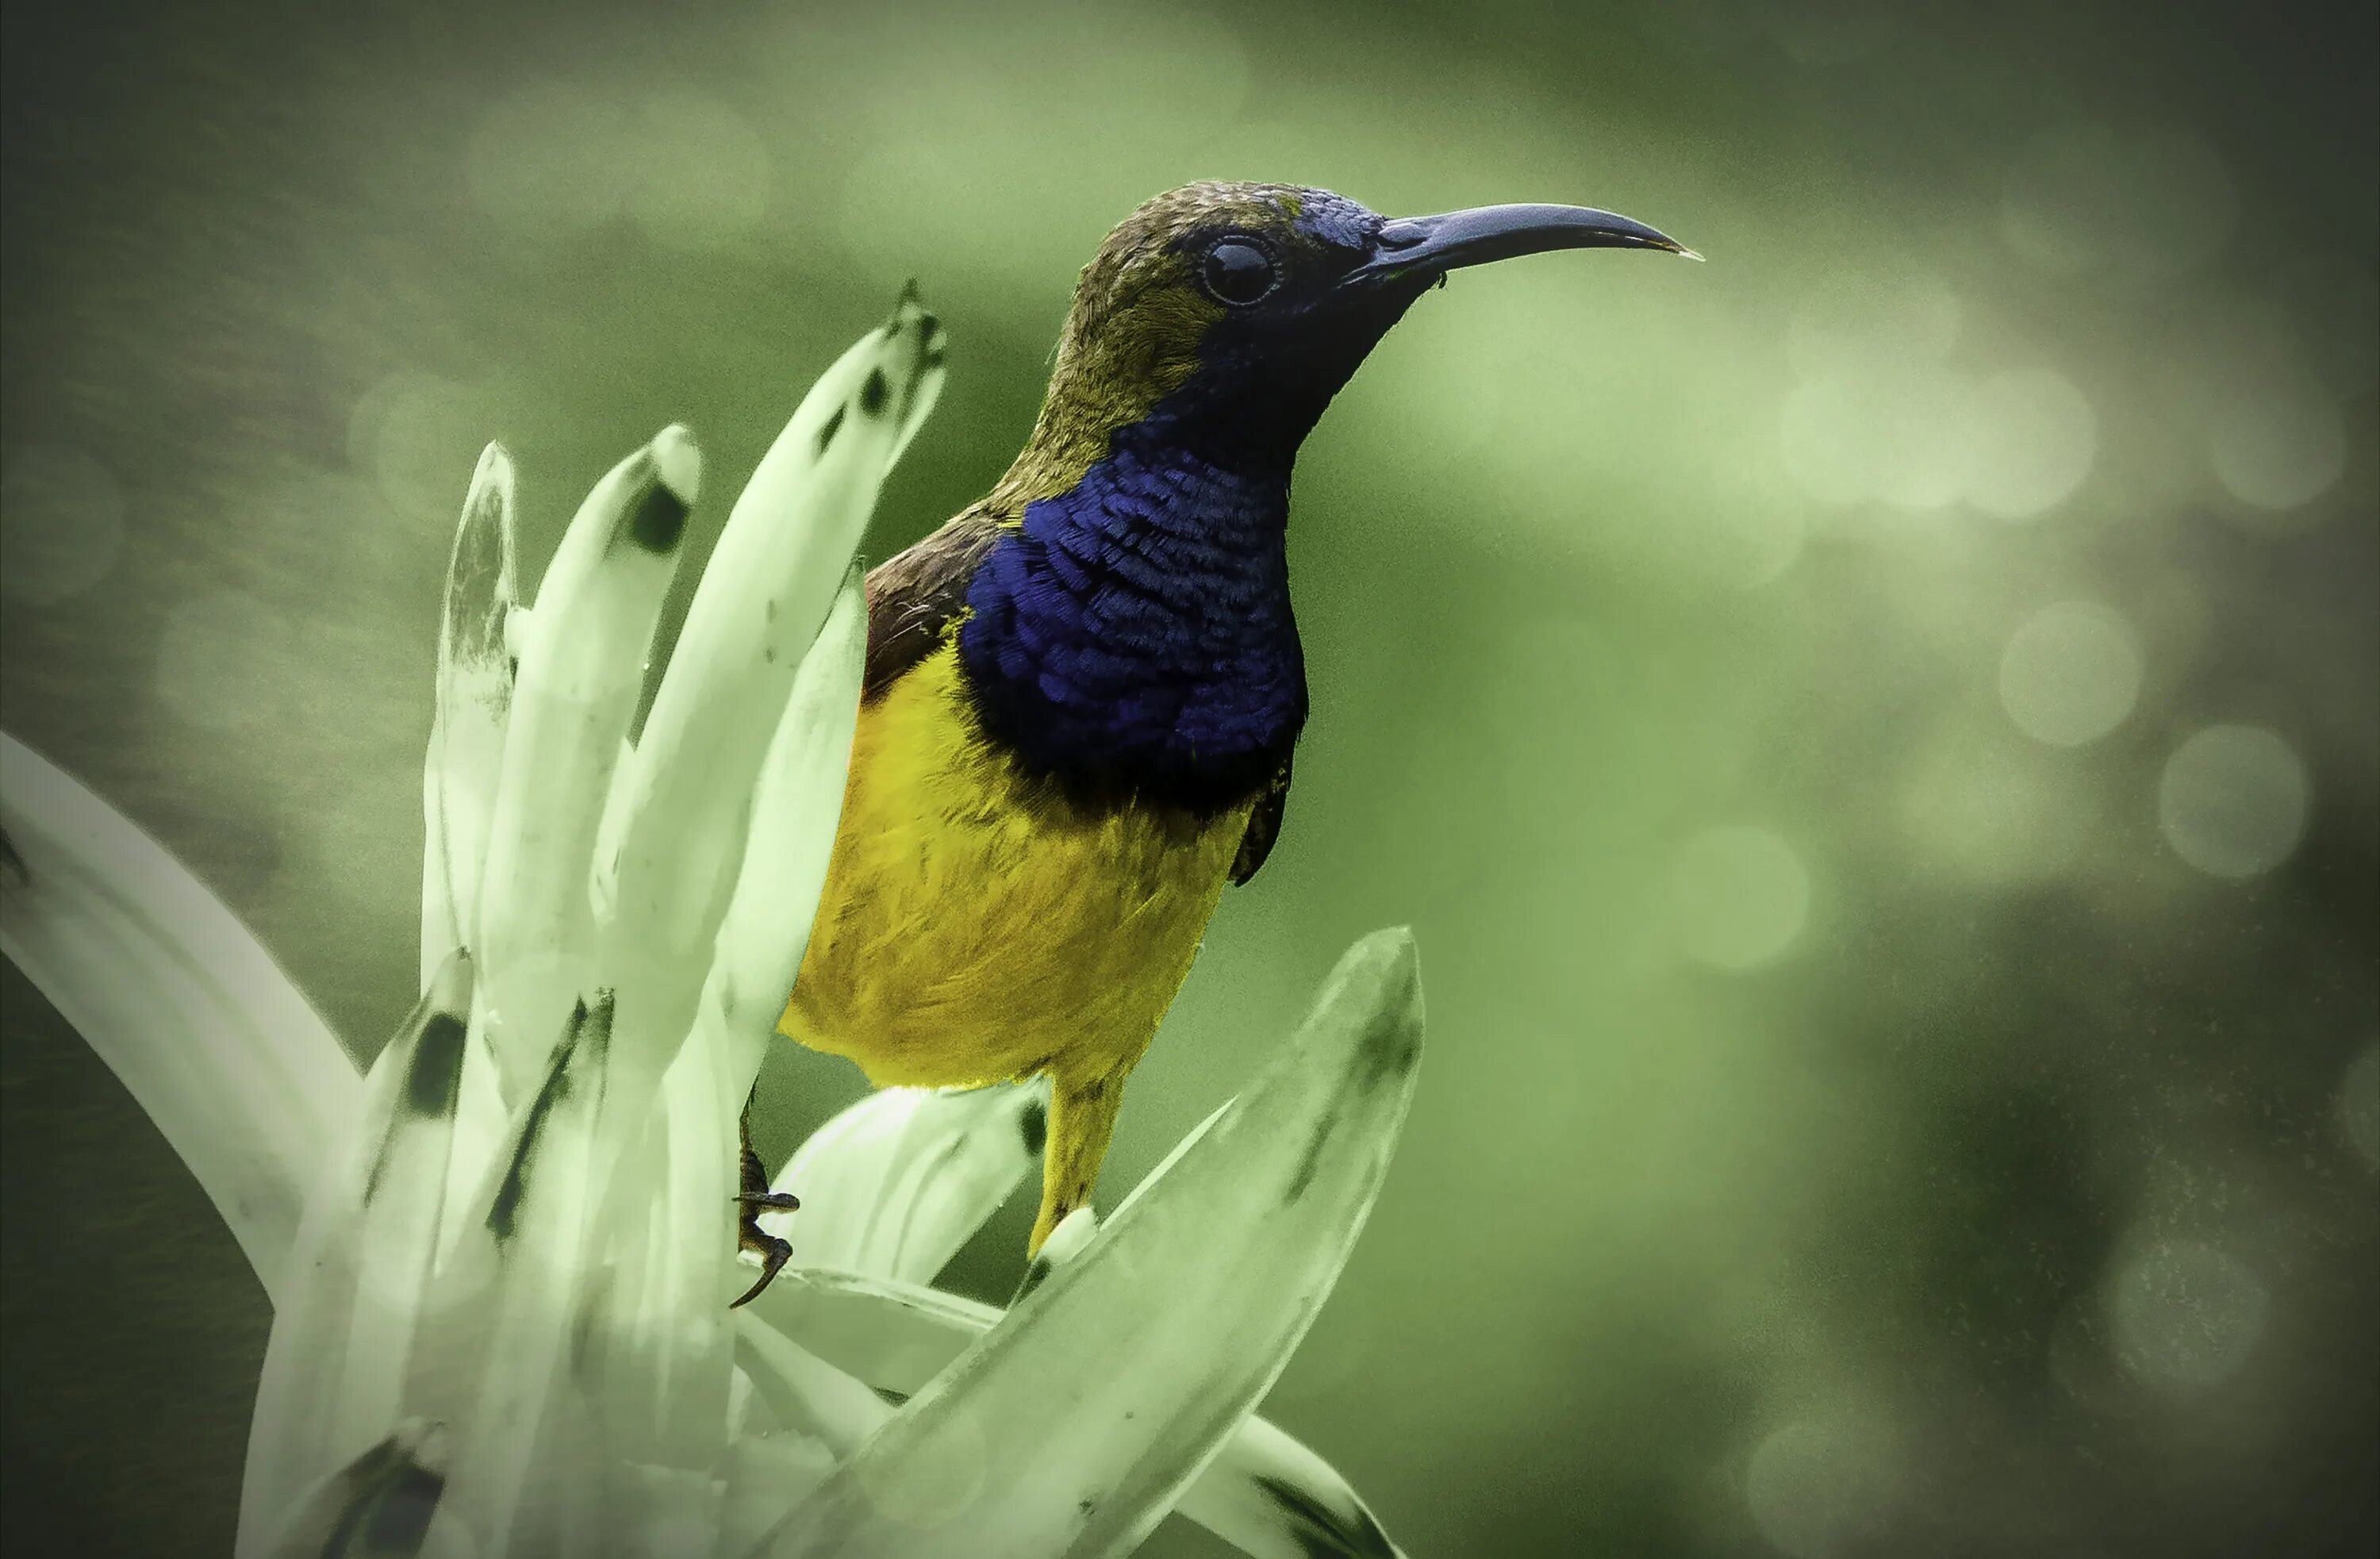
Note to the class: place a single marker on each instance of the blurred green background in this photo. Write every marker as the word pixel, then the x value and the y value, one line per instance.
pixel 1877 733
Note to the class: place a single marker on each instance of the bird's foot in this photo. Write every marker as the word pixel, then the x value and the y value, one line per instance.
pixel 749 1236
pixel 753 1200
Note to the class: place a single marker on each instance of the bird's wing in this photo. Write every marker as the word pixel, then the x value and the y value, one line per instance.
pixel 1264 826
pixel 913 596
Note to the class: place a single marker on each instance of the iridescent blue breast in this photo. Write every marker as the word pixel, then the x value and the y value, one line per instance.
pixel 1132 639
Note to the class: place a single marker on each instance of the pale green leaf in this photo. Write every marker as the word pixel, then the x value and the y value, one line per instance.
pixel 382 1505
pixel 474 701
pixel 1074 1425
pixel 894 1185
pixel 582 672
pixel 334 1367
pixel 241 1076
pixel 1265 1493
pixel 505 1306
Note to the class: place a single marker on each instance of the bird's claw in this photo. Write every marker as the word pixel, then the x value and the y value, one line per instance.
pixel 773 1252
pixel 753 1200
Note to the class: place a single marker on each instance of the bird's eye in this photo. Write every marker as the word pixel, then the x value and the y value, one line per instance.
pixel 1238 272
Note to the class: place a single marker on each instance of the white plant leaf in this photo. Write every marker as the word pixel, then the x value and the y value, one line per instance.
pixel 582 672
pixel 779 561
pixel 794 805
pixel 668 1234
pixel 670 1227
pixel 474 701
pixel 736 679
pixel 894 1185
pixel 767 1475
pixel 1069 1240
pixel 1265 1493
pixel 382 1505
pixel 893 1335
pixel 602 887
pixel 1269 1496
pixel 334 1368
pixel 240 1073
pixel 463 767
pixel 815 1406
pixel 505 1305
pixel 805 1392
pixel 1074 1425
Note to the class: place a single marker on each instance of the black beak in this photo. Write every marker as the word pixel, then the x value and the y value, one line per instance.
pixel 1424 248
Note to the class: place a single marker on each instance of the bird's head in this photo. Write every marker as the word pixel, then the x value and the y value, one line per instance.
pixel 1224 316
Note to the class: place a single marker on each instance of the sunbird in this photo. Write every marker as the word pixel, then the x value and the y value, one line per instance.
pixel 1082 694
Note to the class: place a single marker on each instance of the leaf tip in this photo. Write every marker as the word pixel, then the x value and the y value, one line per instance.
pixel 1317 1528
pixel 1381 976
pixel 433 1083
pixel 450 983
pixel 423 1442
pixel 678 460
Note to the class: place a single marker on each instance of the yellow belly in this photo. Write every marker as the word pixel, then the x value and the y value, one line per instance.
pixel 976 927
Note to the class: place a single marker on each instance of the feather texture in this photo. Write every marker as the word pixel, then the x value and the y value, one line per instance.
pixel 1132 639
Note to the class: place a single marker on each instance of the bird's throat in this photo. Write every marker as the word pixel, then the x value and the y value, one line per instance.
pixel 1131 638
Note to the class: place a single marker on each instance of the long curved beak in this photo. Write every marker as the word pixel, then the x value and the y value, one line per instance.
pixel 1428 247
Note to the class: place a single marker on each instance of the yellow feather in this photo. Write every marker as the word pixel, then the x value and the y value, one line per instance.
pixel 976 927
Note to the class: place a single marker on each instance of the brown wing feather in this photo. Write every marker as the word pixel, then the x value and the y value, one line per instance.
pixel 913 596
pixel 1264 826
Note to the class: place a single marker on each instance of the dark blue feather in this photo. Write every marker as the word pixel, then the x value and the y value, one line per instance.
pixel 1133 637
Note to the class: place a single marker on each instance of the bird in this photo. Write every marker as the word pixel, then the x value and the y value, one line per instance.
pixel 1082 695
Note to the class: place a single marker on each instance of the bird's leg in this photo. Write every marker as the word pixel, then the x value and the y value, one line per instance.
pixel 1082 1117
pixel 755 1199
